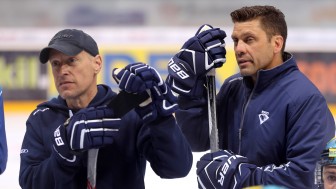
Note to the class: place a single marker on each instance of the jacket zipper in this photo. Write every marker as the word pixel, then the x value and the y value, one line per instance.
pixel 243 116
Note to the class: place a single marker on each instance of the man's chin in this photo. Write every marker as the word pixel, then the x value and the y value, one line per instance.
pixel 65 94
pixel 245 73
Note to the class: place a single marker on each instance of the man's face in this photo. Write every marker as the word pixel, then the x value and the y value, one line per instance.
pixel 329 176
pixel 253 48
pixel 74 76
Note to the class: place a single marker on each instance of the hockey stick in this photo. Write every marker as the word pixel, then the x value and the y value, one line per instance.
pixel 211 94
pixel 121 104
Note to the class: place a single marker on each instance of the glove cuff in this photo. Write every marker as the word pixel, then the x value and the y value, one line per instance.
pixel 66 159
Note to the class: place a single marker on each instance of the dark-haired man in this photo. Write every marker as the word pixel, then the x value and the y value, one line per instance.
pixel 272 121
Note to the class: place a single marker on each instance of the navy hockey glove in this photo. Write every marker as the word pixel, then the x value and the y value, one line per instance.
pixel 61 149
pixel 132 79
pixel 200 54
pixel 140 77
pixel 88 128
pixel 92 128
pixel 222 170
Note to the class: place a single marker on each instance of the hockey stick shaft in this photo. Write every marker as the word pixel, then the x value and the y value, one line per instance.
pixel 91 176
pixel 92 168
pixel 211 94
pixel 121 104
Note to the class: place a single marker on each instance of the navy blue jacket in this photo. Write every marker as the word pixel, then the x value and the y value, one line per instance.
pixel 281 124
pixel 120 165
pixel 3 140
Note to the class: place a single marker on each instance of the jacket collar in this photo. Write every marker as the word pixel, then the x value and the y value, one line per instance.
pixel 266 77
pixel 103 96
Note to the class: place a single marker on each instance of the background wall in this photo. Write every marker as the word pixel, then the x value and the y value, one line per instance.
pixel 49 13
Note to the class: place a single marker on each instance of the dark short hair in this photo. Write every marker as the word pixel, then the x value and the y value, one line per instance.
pixel 272 19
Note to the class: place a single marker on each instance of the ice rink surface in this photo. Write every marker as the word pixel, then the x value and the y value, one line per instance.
pixel 15 129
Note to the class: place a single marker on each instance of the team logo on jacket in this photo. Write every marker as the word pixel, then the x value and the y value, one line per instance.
pixel 263 116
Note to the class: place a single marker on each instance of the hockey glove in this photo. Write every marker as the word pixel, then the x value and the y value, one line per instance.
pixel 61 149
pixel 140 77
pixel 92 128
pixel 200 54
pixel 222 170
pixel 89 128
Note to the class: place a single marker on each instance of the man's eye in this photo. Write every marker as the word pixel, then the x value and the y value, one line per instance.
pixel 72 60
pixel 249 39
pixel 331 178
pixel 235 42
pixel 54 63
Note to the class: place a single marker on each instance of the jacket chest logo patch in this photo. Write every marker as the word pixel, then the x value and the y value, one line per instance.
pixel 263 116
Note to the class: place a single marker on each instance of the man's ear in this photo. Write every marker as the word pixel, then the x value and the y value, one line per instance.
pixel 98 63
pixel 278 43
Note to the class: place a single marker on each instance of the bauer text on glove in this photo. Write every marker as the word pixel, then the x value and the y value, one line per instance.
pixel 222 170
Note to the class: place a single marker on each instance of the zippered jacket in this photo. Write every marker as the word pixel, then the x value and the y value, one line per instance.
pixel 119 165
pixel 281 124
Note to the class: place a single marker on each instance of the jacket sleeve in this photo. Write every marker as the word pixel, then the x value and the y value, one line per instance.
pixel 192 117
pixel 38 167
pixel 3 139
pixel 311 126
pixel 164 146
